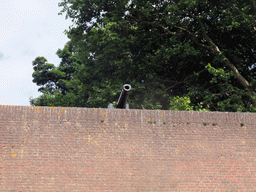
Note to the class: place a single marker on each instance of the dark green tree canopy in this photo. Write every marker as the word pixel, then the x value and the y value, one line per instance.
pixel 200 52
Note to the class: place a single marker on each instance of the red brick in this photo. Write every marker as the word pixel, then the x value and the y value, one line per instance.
pixel 81 149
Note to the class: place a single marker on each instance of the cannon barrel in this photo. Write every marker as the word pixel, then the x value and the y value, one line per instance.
pixel 121 103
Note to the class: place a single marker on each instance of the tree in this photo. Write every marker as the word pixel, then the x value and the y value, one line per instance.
pixel 55 81
pixel 201 50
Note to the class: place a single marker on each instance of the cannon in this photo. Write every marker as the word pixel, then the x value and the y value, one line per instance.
pixel 121 103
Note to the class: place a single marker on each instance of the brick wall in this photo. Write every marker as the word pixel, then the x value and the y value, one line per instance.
pixel 103 150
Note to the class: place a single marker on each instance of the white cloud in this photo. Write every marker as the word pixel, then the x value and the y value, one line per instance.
pixel 28 28
pixel 16 13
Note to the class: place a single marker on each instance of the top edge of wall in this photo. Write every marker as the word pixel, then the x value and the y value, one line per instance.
pixel 29 106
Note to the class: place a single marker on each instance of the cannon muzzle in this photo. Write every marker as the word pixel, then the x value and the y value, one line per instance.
pixel 121 103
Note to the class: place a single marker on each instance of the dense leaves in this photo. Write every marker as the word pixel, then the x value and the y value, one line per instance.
pixel 195 52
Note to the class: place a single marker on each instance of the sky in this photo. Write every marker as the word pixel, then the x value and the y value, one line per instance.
pixel 28 29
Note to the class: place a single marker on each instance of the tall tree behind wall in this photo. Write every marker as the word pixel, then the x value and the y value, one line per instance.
pixel 199 51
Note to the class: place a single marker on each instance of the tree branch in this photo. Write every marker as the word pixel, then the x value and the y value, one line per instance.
pixel 215 50
pixel 192 37
pixel 167 30
pixel 158 24
pixel 180 82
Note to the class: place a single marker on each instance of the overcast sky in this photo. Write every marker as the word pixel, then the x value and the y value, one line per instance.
pixel 28 28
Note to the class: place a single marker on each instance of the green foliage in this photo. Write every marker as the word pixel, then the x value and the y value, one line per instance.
pixel 56 99
pixel 55 81
pixel 181 104
pixel 178 55
pixel 184 104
